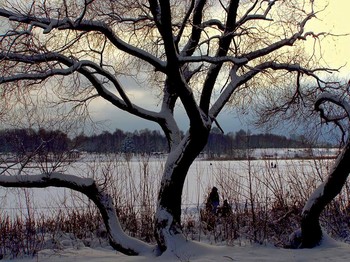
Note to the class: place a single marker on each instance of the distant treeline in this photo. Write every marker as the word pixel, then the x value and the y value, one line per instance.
pixel 142 141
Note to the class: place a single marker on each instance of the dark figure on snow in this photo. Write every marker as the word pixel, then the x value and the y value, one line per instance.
pixel 226 209
pixel 213 200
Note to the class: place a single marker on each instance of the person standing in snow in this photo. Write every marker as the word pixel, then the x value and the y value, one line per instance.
pixel 226 209
pixel 213 200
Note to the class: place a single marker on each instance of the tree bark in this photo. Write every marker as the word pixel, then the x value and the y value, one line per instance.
pixel 117 237
pixel 168 216
pixel 311 232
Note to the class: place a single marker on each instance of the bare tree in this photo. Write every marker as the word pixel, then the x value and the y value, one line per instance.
pixel 197 53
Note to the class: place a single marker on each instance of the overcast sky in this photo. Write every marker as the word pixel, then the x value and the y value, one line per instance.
pixel 113 118
pixel 335 19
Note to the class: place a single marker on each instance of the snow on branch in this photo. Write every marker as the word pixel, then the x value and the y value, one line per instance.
pixel 112 98
pixel 46 180
pixel 222 51
pixel 118 239
pixel 327 191
pixel 40 76
pixel 213 60
pixel 48 24
pixel 91 71
pixel 333 98
pixel 288 67
pixel 338 100
pixel 77 66
pixel 226 94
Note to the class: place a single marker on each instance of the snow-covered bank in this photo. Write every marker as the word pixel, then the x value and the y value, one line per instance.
pixel 330 250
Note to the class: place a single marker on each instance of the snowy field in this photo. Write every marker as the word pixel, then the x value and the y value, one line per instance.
pixel 330 250
pixel 202 175
pixel 129 175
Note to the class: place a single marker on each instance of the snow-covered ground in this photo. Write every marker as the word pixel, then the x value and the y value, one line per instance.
pixel 330 250
pixel 202 175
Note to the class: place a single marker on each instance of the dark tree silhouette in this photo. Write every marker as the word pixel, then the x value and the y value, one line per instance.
pixel 196 53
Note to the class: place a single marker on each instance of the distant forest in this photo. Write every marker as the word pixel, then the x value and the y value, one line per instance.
pixel 142 141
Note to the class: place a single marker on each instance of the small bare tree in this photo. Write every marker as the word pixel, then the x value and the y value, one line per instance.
pixel 196 53
pixel 334 107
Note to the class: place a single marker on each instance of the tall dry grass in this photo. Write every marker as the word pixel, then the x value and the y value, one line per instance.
pixel 266 205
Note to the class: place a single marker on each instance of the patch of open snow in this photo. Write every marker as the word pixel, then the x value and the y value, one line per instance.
pixel 329 250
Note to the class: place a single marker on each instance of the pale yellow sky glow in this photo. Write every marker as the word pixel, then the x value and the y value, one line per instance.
pixel 336 20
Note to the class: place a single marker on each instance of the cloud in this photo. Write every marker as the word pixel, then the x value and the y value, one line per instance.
pixel 113 118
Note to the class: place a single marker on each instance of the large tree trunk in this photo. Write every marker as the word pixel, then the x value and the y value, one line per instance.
pixel 168 216
pixel 311 233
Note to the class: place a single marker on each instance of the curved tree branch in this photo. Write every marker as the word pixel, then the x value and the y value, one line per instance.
pixel 287 67
pixel 248 16
pixel 222 50
pixel 117 238
pixel 184 22
pixel 336 119
pixel 213 59
pixel 196 29
pixel 81 67
pixel 311 232
pixel 239 80
pixel 289 41
pixel 332 98
pixel 48 24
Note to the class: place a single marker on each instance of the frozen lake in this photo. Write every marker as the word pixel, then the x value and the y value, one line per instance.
pixel 139 177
